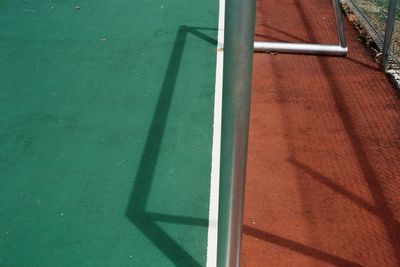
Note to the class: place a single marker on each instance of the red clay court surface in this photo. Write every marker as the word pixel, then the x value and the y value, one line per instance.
pixel 323 183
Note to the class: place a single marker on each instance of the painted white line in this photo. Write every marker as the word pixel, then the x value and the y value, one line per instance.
pixel 216 145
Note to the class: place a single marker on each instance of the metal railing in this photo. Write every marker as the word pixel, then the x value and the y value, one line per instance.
pixel 316 49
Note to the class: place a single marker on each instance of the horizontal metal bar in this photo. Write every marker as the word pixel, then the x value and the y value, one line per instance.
pixel 298 48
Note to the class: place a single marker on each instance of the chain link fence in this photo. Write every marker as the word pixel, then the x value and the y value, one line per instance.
pixel 372 15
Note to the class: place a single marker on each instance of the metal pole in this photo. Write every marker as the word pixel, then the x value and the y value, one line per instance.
pixel 339 24
pixel 312 49
pixel 238 60
pixel 388 34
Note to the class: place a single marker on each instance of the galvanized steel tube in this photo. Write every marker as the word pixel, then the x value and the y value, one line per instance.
pixel 339 24
pixel 388 34
pixel 298 48
pixel 238 60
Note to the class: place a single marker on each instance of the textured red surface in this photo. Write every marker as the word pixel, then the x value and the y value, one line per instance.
pixel 323 183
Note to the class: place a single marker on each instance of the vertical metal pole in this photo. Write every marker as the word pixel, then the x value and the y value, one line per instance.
pixel 388 34
pixel 238 60
pixel 339 23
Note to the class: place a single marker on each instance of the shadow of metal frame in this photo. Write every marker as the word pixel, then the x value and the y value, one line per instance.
pixel 147 222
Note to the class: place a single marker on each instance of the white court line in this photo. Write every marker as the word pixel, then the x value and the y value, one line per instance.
pixel 216 145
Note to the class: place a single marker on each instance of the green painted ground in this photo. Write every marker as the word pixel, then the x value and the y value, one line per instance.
pixel 105 131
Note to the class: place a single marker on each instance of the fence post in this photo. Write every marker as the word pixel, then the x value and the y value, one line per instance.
pixel 388 34
pixel 238 60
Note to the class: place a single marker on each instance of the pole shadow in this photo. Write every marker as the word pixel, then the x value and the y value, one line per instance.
pixel 381 205
pixel 374 67
pixel 333 186
pixel 298 247
pixel 136 209
pixel 290 36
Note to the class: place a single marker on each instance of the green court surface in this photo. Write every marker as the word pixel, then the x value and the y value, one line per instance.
pixel 106 114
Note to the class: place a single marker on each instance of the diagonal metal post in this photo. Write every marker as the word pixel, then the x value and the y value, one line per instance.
pixel 388 34
pixel 238 60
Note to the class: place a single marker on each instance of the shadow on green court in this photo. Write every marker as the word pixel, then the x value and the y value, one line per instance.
pixel 136 212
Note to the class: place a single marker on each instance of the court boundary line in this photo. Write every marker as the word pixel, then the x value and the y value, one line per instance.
pixel 216 145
